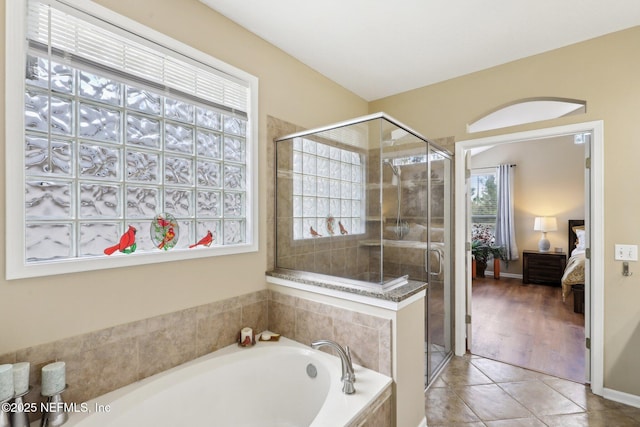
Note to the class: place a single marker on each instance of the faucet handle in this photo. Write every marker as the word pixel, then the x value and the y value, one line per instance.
pixel 348 388
pixel 347 350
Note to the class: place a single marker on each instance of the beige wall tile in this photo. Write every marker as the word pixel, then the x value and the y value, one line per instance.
pixel 253 297
pixel 256 316
pixel 312 326
pixel 379 413
pixel 369 337
pixel 282 298
pixel 282 318
pixel 217 307
pixel 362 341
pixel 218 331
pixel 171 320
pixel 102 369
pixel 7 358
pixel 385 363
pixel 165 348
pixel 37 354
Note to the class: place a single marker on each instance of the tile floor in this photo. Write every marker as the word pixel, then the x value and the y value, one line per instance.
pixel 473 391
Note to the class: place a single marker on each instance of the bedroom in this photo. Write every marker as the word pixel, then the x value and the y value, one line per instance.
pixel 548 181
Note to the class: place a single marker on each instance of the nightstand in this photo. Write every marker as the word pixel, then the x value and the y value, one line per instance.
pixel 543 267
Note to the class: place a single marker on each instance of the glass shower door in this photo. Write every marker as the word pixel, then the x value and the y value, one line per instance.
pixel 439 301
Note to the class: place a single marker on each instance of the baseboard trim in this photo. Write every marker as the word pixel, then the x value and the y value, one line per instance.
pixel 621 397
pixel 489 273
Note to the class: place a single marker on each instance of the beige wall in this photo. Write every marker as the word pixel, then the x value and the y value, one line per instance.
pixel 548 181
pixel 604 72
pixel 35 311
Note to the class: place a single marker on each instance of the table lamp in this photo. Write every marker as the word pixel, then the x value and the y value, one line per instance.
pixel 544 224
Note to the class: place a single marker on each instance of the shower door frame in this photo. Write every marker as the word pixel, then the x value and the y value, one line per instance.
pixel 432 372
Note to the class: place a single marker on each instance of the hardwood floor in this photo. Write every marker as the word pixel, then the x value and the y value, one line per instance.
pixel 527 326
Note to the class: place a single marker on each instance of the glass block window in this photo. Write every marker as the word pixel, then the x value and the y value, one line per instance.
pixel 328 193
pixel 117 132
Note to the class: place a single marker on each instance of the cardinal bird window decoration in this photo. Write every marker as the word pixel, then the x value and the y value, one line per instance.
pixel 207 240
pixel 127 243
pixel 165 231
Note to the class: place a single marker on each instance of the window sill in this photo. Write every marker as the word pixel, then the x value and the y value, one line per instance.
pixel 18 270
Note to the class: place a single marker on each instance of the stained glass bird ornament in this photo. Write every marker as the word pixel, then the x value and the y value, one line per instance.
pixel 127 243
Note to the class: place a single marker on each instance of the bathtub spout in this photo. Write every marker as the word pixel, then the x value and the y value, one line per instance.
pixel 348 377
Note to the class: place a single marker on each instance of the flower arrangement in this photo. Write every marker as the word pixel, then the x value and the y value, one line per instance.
pixel 482 239
pixel 483 234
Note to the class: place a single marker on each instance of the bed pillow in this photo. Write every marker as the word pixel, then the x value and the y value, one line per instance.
pixel 581 243
pixel 577 227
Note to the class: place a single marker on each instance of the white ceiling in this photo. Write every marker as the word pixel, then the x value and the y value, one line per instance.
pixel 378 48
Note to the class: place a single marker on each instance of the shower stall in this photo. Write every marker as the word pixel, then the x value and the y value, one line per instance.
pixel 367 203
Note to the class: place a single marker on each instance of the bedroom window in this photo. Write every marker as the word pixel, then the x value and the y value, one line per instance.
pixel 327 190
pixel 484 199
pixel 119 131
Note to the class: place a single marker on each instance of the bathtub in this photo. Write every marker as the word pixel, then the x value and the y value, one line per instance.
pixel 266 385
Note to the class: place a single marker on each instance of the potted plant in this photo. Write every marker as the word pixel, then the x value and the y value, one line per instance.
pixel 480 252
pixel 498 253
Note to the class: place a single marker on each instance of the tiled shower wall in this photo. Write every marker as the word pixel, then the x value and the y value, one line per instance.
pixel 342 256
pixel 104 360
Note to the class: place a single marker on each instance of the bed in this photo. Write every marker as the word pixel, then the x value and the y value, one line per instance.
pixel 574 272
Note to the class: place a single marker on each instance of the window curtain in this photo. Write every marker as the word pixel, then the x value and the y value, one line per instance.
pixel 505 225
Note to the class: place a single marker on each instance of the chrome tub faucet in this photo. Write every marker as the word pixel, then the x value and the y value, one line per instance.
pixel 348 377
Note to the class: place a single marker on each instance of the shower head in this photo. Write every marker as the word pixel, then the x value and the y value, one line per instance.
pixel 394 168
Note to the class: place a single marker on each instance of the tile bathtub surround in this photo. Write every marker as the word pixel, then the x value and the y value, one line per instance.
pixel 104 360
pixel 378 414
pixel 474 391
pixel 101 361
pixel 369 337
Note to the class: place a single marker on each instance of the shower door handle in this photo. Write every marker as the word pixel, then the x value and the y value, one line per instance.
pixel 426 261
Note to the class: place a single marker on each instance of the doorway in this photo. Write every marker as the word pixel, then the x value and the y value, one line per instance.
pixel 528 323
pixel 594 224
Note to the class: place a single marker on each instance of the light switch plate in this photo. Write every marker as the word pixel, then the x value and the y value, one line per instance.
pixel 626 253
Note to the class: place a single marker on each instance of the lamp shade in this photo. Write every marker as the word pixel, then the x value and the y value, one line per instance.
pixel 545 223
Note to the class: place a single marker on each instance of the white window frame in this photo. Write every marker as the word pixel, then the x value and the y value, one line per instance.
pixel 485 172
pixel 16 50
